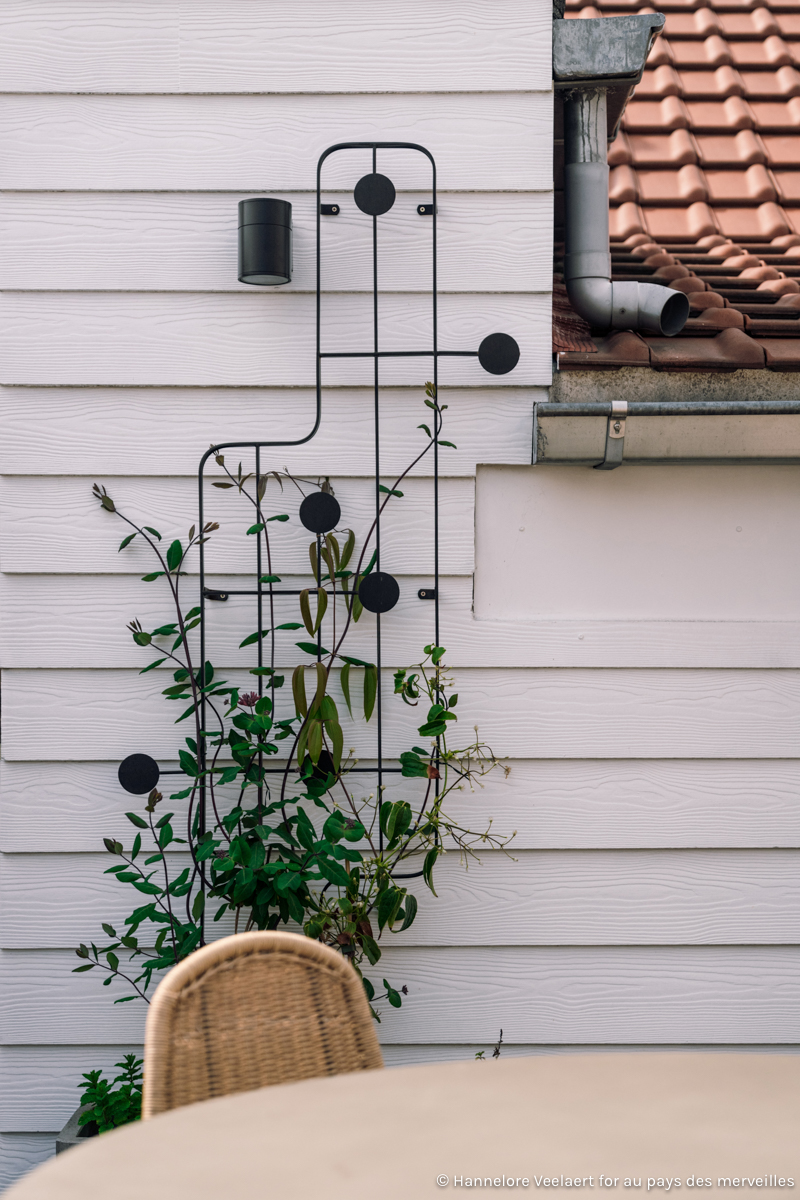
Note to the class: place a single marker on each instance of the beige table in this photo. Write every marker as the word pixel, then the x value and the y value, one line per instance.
pixel 389 1134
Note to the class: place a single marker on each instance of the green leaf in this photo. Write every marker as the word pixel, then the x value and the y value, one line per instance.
pixel 355 662
pixel 174 555
pixel 427 869
pixel 154 532
pixel 153 575
pixel 305 611
pixel 126 541
pixel 371 948
pixel 198 904
pixel 333 871
pixel 334 731
pixel 254 637
pixel 151 666
pixel 392 995
pixel 344 679
pixel 299 690
pixel 222 485
pixel 311 648
pixel 315 741
pixel 270 578
pixel 410 906
pixel 257 528
pixel 391 491
pixel 85 967
pixel 290 625
pixel 280 517
pixel 136 820
pixel 370 690
pixel 451 444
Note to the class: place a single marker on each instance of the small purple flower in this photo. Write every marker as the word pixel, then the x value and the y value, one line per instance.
pixel 248 699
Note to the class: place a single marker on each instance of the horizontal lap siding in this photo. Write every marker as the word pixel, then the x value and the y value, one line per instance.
pixel 459 995
pixel 551 803
pixel 525 713
pixel 162 242
pixel 652 896
pixel 534 898
pixel 205 46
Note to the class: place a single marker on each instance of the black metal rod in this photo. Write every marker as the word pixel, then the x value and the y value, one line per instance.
pixel 376 357
pixel 400 353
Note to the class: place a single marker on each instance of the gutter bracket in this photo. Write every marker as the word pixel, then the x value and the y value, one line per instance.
pixel 615 437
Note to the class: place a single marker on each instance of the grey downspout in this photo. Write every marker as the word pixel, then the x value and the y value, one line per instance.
pixel 648 307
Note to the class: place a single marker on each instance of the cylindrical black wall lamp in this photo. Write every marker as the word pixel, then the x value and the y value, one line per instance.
pixel 265 241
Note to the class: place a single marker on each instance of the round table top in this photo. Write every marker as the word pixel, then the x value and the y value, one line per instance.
pixel 626 1123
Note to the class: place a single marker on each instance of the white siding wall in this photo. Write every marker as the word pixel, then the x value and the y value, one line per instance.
pixel 129 131
pixel 653 897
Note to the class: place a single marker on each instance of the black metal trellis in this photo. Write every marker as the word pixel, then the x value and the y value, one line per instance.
pixel 374 195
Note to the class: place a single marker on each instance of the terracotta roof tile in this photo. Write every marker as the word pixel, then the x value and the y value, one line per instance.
pixel 699 24
pixel 684 186
pixel 713 51
pixel 729 350
pixel 753 186
pixel 679 224
pixel 773 52
pixel 762 223
pixel 763 85
pixel 625 221
pixel 777 118
pixel 723 150
pixel 781 354
pixel 713 85
pixel 788 185
pixel 705 189
pixel 663 81
pixel 617 350
pixel 758 24
pixel 782 151
pixel 730 115
pixel 653 116
pixel 656 150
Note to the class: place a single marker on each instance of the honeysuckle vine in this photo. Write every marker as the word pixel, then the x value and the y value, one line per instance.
pixel 303 844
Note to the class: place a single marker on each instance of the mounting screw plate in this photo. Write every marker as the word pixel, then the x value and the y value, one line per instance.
pixel 329 210
pixel 425 210
pixel 427 593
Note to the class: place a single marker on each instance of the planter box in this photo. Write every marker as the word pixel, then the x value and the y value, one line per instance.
pixel 73 1134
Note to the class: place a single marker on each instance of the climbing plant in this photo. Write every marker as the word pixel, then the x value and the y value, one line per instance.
pixel 304 845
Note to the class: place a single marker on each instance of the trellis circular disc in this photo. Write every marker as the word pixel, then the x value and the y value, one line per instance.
pixel 138 773
pixel 374 194
pixel 379 592
pixel 320 512
pixel 498 353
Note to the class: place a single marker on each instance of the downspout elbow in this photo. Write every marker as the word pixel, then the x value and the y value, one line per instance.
pixel 643 307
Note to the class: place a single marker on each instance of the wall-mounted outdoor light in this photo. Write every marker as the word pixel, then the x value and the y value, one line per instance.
pixel 265 241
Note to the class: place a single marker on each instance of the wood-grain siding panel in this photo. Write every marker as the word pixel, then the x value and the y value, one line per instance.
pixel 56 526
pixel 88 241
pixel 624 995
pixel 536 898
pixel 21 1152
pixel 552 804
pixel 196 46
pixel 81 622
pixel 166 431
pixel 486 141
pixel 258 339
pixel 525 713
pixel 42 1085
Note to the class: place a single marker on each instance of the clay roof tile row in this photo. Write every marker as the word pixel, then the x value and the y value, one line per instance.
pixel 704 190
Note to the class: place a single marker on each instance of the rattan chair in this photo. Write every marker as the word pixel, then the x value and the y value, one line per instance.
pixel 253 1010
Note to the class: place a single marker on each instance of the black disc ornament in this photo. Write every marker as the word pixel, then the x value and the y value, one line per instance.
pixel 379 592
pixel 498 354
pixel 138 773
pixel 323 766
pixel 374 194
pixel 320 512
